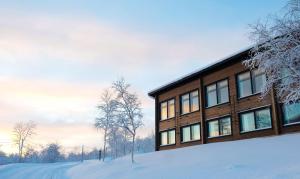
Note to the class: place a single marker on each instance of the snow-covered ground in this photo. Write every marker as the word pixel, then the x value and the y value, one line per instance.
pixel 270 157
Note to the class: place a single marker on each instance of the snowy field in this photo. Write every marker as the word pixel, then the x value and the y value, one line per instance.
pixel 270 157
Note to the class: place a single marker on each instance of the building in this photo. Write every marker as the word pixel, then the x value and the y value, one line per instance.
pixel 219 103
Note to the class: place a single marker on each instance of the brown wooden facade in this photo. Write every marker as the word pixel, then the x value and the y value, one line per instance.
pixel 228 69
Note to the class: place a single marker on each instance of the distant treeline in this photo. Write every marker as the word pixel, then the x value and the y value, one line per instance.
pixel 55 153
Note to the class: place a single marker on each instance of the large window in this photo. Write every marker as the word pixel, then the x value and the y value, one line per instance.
pixel 190 133
pixel 190 102
pixel 219 127
pixel 291 113
pixel 167 109
pixel 250 82
pixel 255 120
pixel 167 137
pixel 217 93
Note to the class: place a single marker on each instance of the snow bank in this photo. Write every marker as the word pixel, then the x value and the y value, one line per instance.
pixel 270 157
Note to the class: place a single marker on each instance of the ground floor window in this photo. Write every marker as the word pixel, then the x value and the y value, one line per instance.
pixel 219 127
pixel 190 133
pixel 291 113
pixel 167 137
pixel 255 120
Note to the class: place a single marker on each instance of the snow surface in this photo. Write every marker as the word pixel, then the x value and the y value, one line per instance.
pixel 269 157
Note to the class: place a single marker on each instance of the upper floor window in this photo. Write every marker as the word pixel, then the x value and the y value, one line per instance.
pixel 190 133
pixel 255 120
pixel 250 82
pixel 167 137
pixel 167 109
pixel 291 113
pixel 217 93
pixel 219 127
pixel 190 102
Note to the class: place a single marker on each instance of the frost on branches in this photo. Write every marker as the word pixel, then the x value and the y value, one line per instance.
pixel 277 53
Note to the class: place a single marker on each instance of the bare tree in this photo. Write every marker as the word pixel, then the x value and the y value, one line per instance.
pixel 130 112
pixel 106 119
pixel 22 132
pixel 277 53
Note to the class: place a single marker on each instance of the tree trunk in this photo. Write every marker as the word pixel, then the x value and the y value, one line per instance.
pixel 21 150
pixel 104 145
pixel 132 149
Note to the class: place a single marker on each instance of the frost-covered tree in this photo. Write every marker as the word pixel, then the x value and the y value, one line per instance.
pixel 144 145
pixel 22 132
pixel 3 158
pixel 119 142
pixel 129 111
pixel 277 53
pixel 51 153
pixel 107 113
pixel 31 155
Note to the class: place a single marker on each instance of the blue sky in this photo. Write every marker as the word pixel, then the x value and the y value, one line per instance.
pixel 57 56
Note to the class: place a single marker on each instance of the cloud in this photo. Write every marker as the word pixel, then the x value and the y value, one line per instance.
pixel 30 39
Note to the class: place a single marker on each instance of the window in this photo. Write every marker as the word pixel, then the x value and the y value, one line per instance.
pixel 167 109
pixel 244 84
pixel 255 120
pixel 250 82
pixel 291 113
pixel 164 138
pixel 167 137
pixel 217 93
pixel 190 133
pixel 194 101
pixel 190 102
pixel 164 111
pixel 219 127
pixel 185 104
pixel 211 95
pixel 259 81
pixel 186 134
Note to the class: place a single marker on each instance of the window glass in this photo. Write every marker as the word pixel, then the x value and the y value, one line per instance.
pixel 284 73
pixel 194 101
pixel 247 122
pixel 213 128
pixel 225 126
pixel 172 137
pixel 185 104
pixel 186 134
pixel 263 119
pixel 291 113
pixel 195 132
pixel 244 84
pixel 223 92
pixel 211 95
pixel 164 138
pixel 259 80
pixel 171 108
pixel 163 111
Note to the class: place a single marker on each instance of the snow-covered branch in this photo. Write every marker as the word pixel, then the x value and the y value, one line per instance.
pixel 277 53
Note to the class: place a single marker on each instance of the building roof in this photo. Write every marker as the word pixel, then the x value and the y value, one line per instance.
pixel 232 58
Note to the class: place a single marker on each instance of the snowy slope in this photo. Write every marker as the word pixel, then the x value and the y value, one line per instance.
pixel 270 157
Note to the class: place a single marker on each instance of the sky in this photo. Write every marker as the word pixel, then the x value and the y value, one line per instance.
pixel 56 57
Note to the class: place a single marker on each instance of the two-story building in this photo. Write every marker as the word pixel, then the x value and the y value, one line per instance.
pixel 219 103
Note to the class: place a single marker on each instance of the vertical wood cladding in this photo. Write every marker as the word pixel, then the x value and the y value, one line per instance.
pixel 233 108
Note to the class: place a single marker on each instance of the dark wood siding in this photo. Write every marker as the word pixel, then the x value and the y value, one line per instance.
pixel 232 108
